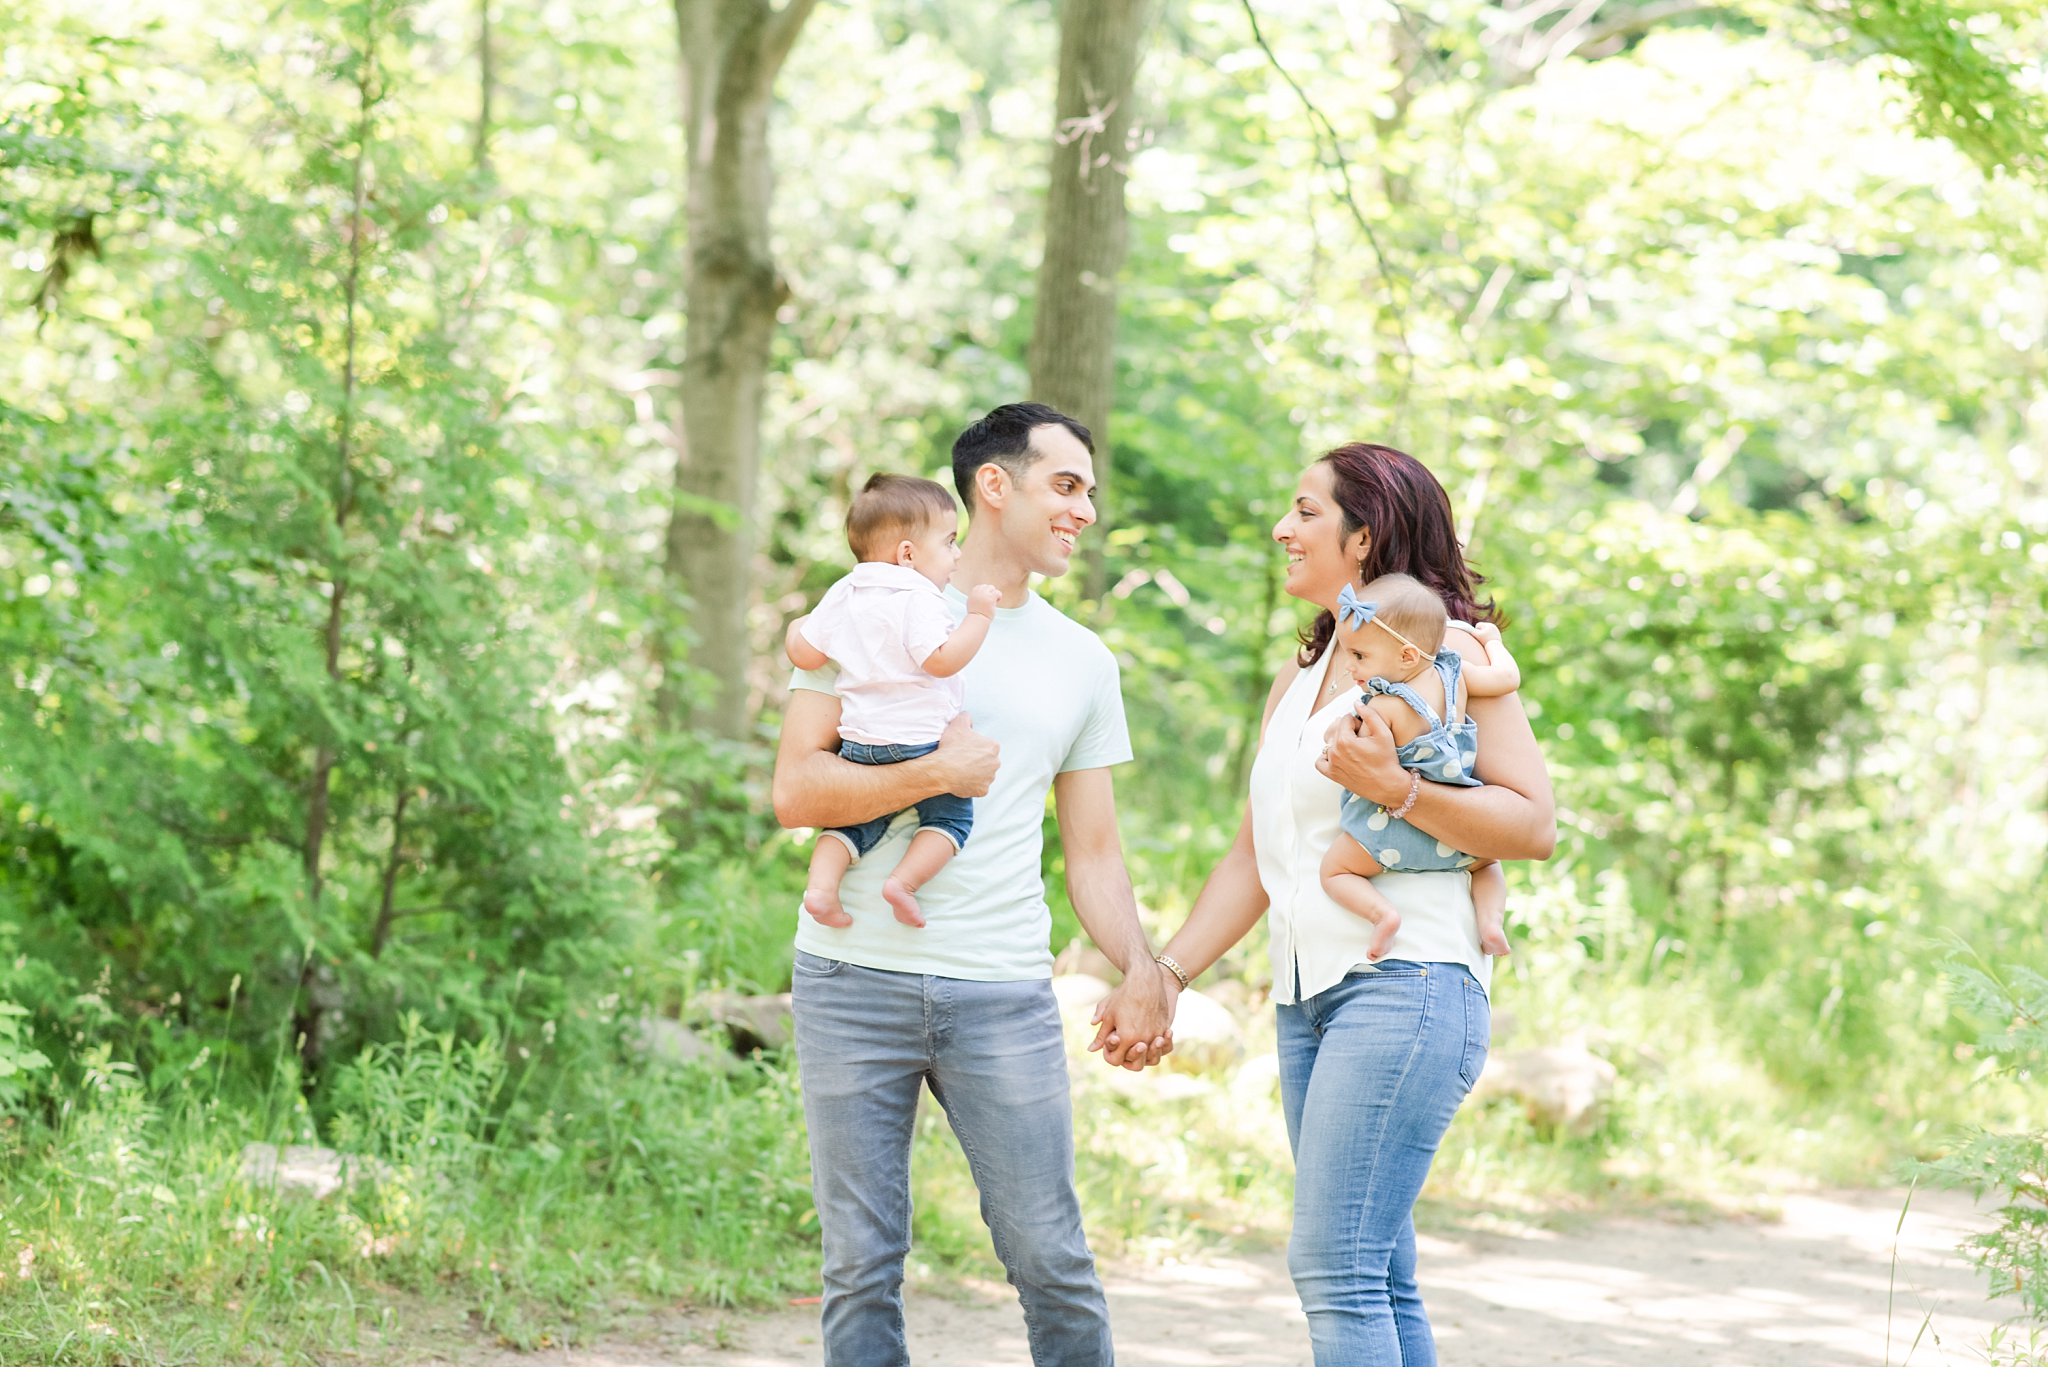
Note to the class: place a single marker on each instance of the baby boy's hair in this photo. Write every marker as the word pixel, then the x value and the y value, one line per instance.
pixel 1410 607
pixel 893 507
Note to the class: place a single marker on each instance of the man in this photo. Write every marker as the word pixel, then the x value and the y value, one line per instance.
pixel 965 1003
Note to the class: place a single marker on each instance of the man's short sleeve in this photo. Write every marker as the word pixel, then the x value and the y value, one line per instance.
pixel 827 622
pixel 824 680
pixel 1104 738
pixel 927 622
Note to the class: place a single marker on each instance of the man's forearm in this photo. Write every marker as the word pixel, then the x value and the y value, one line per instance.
pixel 814 787
pixel 1099 887
pixel 824 790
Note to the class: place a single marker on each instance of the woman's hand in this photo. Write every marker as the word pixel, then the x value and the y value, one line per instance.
pixel 1360 757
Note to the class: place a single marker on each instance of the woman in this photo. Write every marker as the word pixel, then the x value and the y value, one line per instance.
pixel 1374 1059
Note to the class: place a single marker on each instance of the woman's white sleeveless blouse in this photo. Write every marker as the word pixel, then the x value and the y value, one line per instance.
pixel 1316 941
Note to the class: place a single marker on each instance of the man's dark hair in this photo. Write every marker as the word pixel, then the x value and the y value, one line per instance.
pixel 1004 437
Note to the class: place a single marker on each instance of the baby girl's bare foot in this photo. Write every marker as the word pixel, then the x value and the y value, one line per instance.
pixel 1383 936
pixel 823 906
pixel 1492 940
pixel 902 902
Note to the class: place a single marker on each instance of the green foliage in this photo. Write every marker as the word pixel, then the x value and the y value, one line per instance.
pixel 1966 67
pixel 2010 1167
pixel 336 443
pixel 282 606
pixel 17 1057
pixel 534 1195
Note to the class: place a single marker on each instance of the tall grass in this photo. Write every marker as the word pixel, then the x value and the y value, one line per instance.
pixel 536 1198
pixel 539 1178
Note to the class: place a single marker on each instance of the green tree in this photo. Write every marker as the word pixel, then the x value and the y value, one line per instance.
pixel 731 53
pixel 286 724
pixel 1073 332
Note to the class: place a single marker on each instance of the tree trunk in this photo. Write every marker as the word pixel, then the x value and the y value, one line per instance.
pixel 731 51
pixel 381 933
pixel 486 83
pixel 318 989
pixel 343 485
pixel 1073 334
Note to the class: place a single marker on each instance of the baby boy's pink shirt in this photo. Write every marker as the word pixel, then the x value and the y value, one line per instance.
pixel 881 623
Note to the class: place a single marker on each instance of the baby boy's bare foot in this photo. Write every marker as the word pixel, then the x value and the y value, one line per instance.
pixel 1492 940
pixel 902 902
pixel 823 906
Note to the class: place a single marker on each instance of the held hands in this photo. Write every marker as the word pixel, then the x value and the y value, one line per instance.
pixel 968 758
pixel 982 600
pixel 1360 756
pixel 1134 1023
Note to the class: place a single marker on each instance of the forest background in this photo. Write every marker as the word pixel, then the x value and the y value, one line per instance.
pixel 388 710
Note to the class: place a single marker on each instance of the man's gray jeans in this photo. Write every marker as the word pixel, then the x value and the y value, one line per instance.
pixel 867 1041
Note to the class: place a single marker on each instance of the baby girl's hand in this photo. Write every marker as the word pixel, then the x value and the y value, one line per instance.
pixel 1500 674
pixel 982 600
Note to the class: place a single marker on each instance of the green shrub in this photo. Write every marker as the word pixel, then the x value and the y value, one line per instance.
pixel 2009 1166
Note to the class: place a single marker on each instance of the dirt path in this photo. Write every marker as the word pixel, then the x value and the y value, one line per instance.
pixel 1810 1287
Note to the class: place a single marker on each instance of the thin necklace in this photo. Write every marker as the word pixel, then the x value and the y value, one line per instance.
pixel 1324 694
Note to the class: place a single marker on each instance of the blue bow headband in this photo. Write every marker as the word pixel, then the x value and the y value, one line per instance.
pixel 1354 610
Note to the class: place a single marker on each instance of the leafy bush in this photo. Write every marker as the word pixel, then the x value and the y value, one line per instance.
pixel 2008 1166
pixel 17 1057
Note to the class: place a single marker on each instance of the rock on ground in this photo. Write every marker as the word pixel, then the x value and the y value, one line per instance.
pixel 1205 1034
pixel 670 1043
pixel 315 1171
pixel 1079 958
pixel 1562 1087
pixel 753 1022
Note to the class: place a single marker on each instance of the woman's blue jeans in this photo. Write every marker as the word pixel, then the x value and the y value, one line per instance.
pixel 1371 1071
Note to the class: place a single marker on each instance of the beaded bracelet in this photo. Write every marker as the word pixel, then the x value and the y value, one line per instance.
pixel 1414 791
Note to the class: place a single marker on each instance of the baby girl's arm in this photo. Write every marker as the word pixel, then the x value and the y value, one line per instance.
pixel 1499 675
pixel 1403 721
pixel 952 657
pixel 801 652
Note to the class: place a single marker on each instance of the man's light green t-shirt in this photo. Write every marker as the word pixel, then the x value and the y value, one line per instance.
pixel 1047 690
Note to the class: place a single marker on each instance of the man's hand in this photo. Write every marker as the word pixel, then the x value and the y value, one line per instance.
pixel 968 758
pixel 1360 757
pixel 1135 1021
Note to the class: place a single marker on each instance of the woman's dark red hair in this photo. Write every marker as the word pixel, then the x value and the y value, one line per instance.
pixel 1406 511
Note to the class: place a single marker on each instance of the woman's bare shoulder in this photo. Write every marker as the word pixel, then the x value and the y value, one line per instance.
pixel 1289 672
pixel 1282 681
